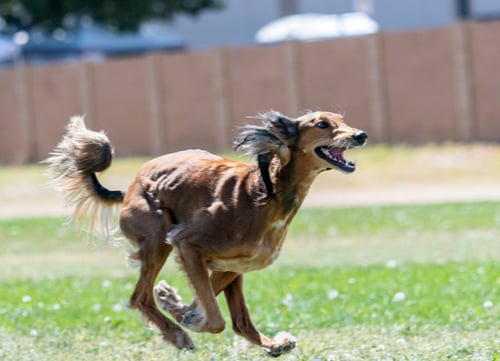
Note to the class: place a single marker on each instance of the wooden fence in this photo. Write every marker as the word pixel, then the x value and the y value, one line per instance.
pixel 411 87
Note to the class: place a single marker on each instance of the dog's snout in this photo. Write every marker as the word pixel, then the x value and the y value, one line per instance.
pixel 360 137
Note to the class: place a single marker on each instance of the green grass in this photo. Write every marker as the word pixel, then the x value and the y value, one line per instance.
pixel 83 313
pixel 362 221
pixel 376 283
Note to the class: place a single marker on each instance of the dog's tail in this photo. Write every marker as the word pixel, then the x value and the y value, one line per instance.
pixel 73 165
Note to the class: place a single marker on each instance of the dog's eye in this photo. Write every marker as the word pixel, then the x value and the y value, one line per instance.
pixel 322 125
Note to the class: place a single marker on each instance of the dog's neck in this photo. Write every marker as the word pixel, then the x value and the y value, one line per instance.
pixel 292 182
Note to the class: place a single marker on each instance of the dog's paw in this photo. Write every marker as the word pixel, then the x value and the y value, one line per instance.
pixel 194 320
pixel 282 343
pixel 169 299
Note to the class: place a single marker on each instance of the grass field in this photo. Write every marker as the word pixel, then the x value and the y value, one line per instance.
pixel 367 283
pixel 401 282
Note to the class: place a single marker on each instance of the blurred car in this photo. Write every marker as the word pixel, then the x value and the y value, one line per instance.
pixel 313 27
pixel 93 42
pixel 9 51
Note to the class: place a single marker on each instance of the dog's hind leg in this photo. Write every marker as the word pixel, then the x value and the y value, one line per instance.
pixel 147 230
pixel 243 325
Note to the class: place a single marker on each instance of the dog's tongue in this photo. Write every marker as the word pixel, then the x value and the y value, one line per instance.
pixel 337 153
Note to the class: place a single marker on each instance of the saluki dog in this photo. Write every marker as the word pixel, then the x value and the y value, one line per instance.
pixel 222 217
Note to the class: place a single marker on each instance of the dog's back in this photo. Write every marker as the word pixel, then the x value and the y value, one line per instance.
pixel 208 200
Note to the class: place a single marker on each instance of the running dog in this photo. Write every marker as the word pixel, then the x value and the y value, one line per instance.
pixel 223 218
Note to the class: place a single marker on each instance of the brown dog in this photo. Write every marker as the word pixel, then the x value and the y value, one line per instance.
pixel 223 218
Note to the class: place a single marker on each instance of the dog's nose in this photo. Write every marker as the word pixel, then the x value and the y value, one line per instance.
pixel 360 137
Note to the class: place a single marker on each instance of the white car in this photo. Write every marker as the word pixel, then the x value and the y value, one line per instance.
pixel 311 27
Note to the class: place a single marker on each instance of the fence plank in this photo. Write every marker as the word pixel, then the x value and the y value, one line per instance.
pixel 122 105
pixel 191 96
pixel 55 92
pixel 485 38
pixel 259 81
pixel 421 85
pixel 336 77
pixel 14 139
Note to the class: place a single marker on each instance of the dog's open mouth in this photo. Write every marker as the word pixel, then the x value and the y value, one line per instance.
pixel 334 155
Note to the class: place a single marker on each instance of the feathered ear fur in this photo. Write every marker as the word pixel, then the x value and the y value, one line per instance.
pixel 274 138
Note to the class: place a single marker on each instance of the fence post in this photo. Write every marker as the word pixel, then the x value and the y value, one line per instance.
pixel 88 104
pixel 26 111
pixel 378 89
pixel 466 116
pixel 153 74
pixel 294 85
pixel 222 90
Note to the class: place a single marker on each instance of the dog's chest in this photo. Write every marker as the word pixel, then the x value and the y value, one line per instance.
pixel 262 255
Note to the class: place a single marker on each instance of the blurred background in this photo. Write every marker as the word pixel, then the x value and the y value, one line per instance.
pixel 165 75
pixel 160 76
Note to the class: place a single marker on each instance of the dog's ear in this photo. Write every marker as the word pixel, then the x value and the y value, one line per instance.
pixel 275 137
pixel 284 128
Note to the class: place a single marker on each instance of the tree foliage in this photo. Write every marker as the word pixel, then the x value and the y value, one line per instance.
pixel 121 15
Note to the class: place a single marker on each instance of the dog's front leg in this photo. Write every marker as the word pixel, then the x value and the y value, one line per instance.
pixel 206 317
pixel 170 301
pixel 243 325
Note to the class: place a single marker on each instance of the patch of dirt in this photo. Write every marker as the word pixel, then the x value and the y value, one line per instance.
pixel 398 175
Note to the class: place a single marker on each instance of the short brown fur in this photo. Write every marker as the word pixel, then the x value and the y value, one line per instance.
pixel 217 214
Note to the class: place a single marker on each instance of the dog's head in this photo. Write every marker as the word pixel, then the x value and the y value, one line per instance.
pixel 320 136
pixel 326 136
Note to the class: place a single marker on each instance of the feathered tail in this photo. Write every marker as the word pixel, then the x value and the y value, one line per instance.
pixel 73 165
